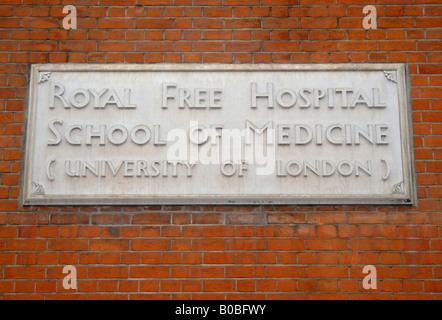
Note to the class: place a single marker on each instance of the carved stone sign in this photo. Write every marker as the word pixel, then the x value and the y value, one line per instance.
pixel 218 134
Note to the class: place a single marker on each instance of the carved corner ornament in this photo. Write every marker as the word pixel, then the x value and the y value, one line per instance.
pixel 39 190
pixel 398 188
pixel 391 76
pixel 43 76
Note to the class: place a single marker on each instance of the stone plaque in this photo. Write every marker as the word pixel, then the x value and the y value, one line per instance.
pixel 218 134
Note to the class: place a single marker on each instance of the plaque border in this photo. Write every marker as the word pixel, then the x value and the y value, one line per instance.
pixel 395 72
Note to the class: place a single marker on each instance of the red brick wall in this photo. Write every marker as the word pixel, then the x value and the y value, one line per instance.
pixel 265 252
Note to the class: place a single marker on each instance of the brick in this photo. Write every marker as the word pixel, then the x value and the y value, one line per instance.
pixel 154 23
pixel 183 245
pixel 8 205
pixel 327 231
pixel 286 272
pixel 150 245
pixel 6 287
pixel 191 258
pixel 286 218
pixel 7 93
pixel 406 218
pixel 116 46
pixel 114 23
pixel 428 22
pixel 219 258
pixel 281 57
pixel 367 217
pixel 242 12
pixel 349 258
pixel 151 218
pixel 245 272
pixel 27 232
pixel 218 231
pixel 109 245
pixel 240 24
pixel 245 218
pixel 108 286
pixel 117 2
pixel 281 46
pixel 285 23
pixel 319 46
pixel 287 285
pixel 396 46
pixel 285 231
pixel 412 272
pixel 326 244
pixel 10 22
pixel 208 245
pixel 110 219
pixel 24 273
pixel 433 286
pixel 245 231
pixel 26 219
pixel 237 244
pixel 38 46
pixel 328 258
pixel 327 272
pixel 285 245
pixel 326 218
pixel 108 272
pixel 67 245
pixel 368 245
pixel 243 46
pixel 217 12
pixel 369 258
pixel 207 272
pixel 430 69
pixel 40 23
pixel 357 46
pixel 26 245
pixel 312 23
pixel 67 219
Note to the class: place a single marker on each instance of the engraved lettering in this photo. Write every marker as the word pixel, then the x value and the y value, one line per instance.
pixel 113 99
pixel 166 95
pixel 140 138
pixel 307 102
pixel 299 137
pixel 381 134
pixel 55 132
pixel 92 132
pixel 79 103
pixel 286 103
pixel 319 94
pixel 69 132
pixel 57 91
pixel 216 98
pixel 361 97
pixel 97 96
pixel 344 92
pixel 120 138
pixel 228 168
pixel 185 96
pixel 202 98
pixel 268 95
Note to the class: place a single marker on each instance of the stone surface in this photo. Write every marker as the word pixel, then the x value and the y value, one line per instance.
pixel 191 134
